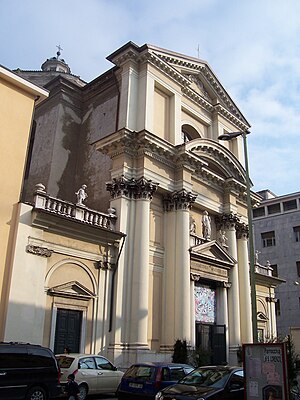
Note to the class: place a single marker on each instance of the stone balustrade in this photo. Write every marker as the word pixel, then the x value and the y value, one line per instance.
pixel 79 212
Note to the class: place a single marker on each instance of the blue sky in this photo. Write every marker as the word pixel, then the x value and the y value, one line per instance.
pixel 253 46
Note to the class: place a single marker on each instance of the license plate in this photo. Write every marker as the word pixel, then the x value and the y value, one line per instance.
pixel 136 385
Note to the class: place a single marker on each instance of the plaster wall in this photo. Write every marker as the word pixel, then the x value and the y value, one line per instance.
pixel 17 99
pixel 26 296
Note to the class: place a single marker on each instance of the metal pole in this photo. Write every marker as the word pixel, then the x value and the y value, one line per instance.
pixel 251 245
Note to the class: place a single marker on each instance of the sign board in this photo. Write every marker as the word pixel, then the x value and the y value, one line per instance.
pixel 265 367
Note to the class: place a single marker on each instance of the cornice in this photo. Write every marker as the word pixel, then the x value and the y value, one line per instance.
pixel 194 155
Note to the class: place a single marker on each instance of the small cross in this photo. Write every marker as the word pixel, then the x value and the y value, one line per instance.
pixel 59 50
pixel 198 51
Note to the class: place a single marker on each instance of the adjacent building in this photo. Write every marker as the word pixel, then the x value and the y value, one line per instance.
pixel 158 249
pixel 277 242
pixel 18 98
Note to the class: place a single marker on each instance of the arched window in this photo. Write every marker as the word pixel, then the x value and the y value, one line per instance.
pixel 188 133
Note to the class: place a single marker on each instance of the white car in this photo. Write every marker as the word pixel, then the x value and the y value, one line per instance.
pixel 93 373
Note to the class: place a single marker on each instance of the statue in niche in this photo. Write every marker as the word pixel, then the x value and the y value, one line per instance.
pixel 222 238
pixel 206 225
pixel 81 195
pixel 192 226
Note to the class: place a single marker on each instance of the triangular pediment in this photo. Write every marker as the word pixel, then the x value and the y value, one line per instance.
pixel 71 289
pixel 212 253
pixel 198 85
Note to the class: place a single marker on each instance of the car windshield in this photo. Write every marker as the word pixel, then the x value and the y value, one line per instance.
pixel 64 361
pixel 207 377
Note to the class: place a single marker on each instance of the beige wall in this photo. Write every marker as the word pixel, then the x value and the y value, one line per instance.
pixel 17 99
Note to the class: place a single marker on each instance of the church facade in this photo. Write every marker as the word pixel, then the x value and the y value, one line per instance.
pixel 171 259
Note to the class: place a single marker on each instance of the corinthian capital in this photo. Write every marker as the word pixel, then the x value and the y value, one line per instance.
pixel 227 221
pixel 132 188
pixel 180 200
pixel 242 231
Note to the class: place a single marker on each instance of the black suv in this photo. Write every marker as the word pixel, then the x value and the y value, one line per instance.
pixel 28 371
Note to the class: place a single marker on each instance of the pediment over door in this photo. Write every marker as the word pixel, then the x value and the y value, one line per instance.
pixel 210 261
pixel 72 289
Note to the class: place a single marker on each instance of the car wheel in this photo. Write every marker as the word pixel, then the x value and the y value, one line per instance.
pixel 36 393
pixel 83 391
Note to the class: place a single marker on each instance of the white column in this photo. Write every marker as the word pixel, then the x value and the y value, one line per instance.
pixel 233 292
pixel 183 200
pixel 140 277
pixel 168 306
pixel 272 315
pixel 193 322
pixel 222 311
pixel 142 191
pixel 244 286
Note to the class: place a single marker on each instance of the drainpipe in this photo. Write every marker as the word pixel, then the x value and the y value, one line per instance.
pixel 113 285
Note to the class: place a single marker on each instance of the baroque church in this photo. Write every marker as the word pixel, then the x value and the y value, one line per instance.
pixel 132 228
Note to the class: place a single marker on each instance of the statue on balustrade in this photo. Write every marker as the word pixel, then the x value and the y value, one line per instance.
pixel 81 195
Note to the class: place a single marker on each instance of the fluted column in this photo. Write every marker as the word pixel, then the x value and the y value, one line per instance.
pixel 244 284
pixel 229 224
pixel 183 201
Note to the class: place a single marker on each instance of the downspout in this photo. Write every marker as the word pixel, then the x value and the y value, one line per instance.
pixel 113 285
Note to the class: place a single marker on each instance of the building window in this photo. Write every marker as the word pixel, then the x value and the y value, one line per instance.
pixel 274 208
pixel 298 267
pixel 275 270
pixel 268 239
pixel 297 233
pixel 277 308
pixel 289 205
pixel 258 212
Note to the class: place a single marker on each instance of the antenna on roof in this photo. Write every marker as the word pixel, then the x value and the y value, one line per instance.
pixel 198 50
pixel 59 51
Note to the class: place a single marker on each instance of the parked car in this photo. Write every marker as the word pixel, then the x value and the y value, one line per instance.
pixel 94 374
pixel 216 382
pixel 144 380
pixel 28 371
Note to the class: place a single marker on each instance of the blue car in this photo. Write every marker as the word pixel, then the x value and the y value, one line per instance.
pixel 144 380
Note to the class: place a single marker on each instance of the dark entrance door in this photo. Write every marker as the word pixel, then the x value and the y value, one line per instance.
pixel 68 330
pixel 211 339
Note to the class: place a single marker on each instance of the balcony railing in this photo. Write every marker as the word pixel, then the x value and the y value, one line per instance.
pixel 42 201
